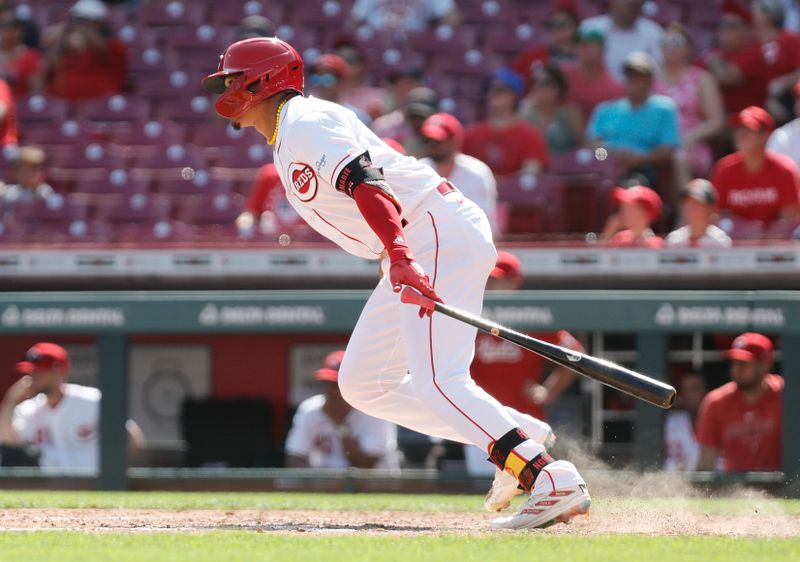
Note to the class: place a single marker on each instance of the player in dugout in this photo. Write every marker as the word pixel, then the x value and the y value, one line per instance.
pixel 403 363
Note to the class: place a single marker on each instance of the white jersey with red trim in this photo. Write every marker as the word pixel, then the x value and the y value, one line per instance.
pixel 316 140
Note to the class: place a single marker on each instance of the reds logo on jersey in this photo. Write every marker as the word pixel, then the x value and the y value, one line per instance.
pixel 303 181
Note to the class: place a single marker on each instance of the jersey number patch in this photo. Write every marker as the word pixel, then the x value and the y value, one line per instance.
pixel 304 181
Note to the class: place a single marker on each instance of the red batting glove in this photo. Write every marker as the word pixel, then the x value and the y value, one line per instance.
pixel 406 271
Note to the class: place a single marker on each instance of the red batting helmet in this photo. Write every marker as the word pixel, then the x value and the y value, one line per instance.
pixel 264 66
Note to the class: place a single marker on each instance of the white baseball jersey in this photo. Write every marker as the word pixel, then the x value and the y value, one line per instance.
pixel 476 181
pixel 714 237
pixel 316 140
pixel 315 436
pixel 67 436
pixel 683 451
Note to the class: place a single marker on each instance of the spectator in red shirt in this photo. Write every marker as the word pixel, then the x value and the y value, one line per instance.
pixel 20 65
pixel 505 141
pixel 742 421
pixel 755 184
pixel 9 128
pixel 639 207
pixel 590 82
pixel 562 27
pixel 266 209
pixel 737 64
pixel 780 51
pixel 83 59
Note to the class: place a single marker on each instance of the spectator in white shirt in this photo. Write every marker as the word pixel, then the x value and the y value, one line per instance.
pixel 329 433
pixel 683 451
pixel 699 209
pixel 443 134
pixel 409 15
pixel 626 31
pixel 786 139
pixel 57 420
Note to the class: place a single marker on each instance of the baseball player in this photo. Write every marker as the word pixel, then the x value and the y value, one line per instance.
pixel 59 420
pixel 406 366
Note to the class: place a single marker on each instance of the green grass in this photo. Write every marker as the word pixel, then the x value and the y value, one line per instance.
pixel 244 546
pixel 355 502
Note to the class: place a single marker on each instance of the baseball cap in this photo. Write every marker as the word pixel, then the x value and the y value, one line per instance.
pixel 255 25
pixel 334 63
pixel 44 356
pixel 510 79
pixel 702 190
pixel 330 367
pixel 507 266
pixel 591 34
pixel 421 102
pixel 751 346
pixel 442 126
pixel 395 144
pixel 734 8
pixel 754 118
pixel 642 196
pixel 640 62
pixel 94 10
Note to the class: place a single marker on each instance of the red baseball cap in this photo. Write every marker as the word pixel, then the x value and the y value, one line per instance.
pixel 754 118
pixel 508 266
pixel 442 126
pixel 334 63
pixel 751 346
pixel 394 144
pixel 734 8
pixel 44 356
pixel 330 367
pixel 642 196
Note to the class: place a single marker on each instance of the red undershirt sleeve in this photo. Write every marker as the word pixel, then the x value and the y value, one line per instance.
pixel 382 217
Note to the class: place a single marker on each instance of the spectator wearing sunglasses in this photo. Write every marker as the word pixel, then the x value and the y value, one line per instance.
pixel 562 40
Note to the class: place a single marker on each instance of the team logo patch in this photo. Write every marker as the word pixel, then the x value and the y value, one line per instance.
pixel 304 181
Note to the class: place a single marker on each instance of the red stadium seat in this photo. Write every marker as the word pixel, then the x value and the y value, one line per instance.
pixel 41 109
pixel 170 161
pixel 444 38
pixel 194 109
pixel 320 13
pixel 114 182
pixel 212 216
pixel 59 138
pixel 536 204
pixel 57 219
pixel 138 217
pixel 114 109
pixel 172 14
pixel 500 39
pixel 231 13
pixel 488 11
pixel 200 183
pixel 83 161
pixel 144 139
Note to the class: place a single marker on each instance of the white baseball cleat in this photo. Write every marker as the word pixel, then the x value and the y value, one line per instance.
pixel 505 485
pixel 559 495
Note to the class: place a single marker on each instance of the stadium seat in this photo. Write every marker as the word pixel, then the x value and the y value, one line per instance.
pixel 138 217
pixel 56 139
pixel 141 140
pixel 212 216
pixel 137 37
pixel 199 183
pixel 114 109
pixel 174 13
pixel 170 160
pixel 113 182
pixel 499 39
pixel 444 39
pixel 320 13
pixel 41 109
pixel 56 219
pixel 152 61
pixel 488 11
pixel 536 204
pixel 253 156
pixel 231 13
pixel 82 161
pixel 193 109
pixel 472 62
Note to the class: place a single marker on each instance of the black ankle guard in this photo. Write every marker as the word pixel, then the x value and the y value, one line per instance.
pixel 531 471
pixel 501 448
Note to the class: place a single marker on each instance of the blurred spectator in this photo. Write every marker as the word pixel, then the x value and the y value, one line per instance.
pixel 639 207
pixel 505 141
pixel 680 440
pixel 786 140
pixel 698 209
pixel 408 15
pixel 329 72
pixel 20 65
pixel 753 183
pixel 528 384
pixel 699 101
pixel 791 11
pixel 400 84
pixel 9 127
pixel 742 421
pixel 329 433
pixel 737 62
pixel 58 419
pixel 546 108
pixel 626 31
pixel 780 52
pixel 356 91
pixel 266 208
pixel 640 130
pixel 444 136
pixel 29 180
pixel 562 40
pixel 404 124
pixel 590 82
pixel 255 26
pixel 82 57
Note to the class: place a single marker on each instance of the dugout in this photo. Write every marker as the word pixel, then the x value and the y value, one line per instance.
pixel 648 322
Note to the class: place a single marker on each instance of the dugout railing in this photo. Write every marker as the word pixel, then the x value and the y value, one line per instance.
pixel 652 316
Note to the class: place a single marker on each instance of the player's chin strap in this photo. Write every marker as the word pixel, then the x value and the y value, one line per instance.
pixel 502 454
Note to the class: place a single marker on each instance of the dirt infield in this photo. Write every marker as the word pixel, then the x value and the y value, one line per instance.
pixel 639 521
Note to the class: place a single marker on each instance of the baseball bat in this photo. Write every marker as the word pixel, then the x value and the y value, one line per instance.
pixel 604 371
